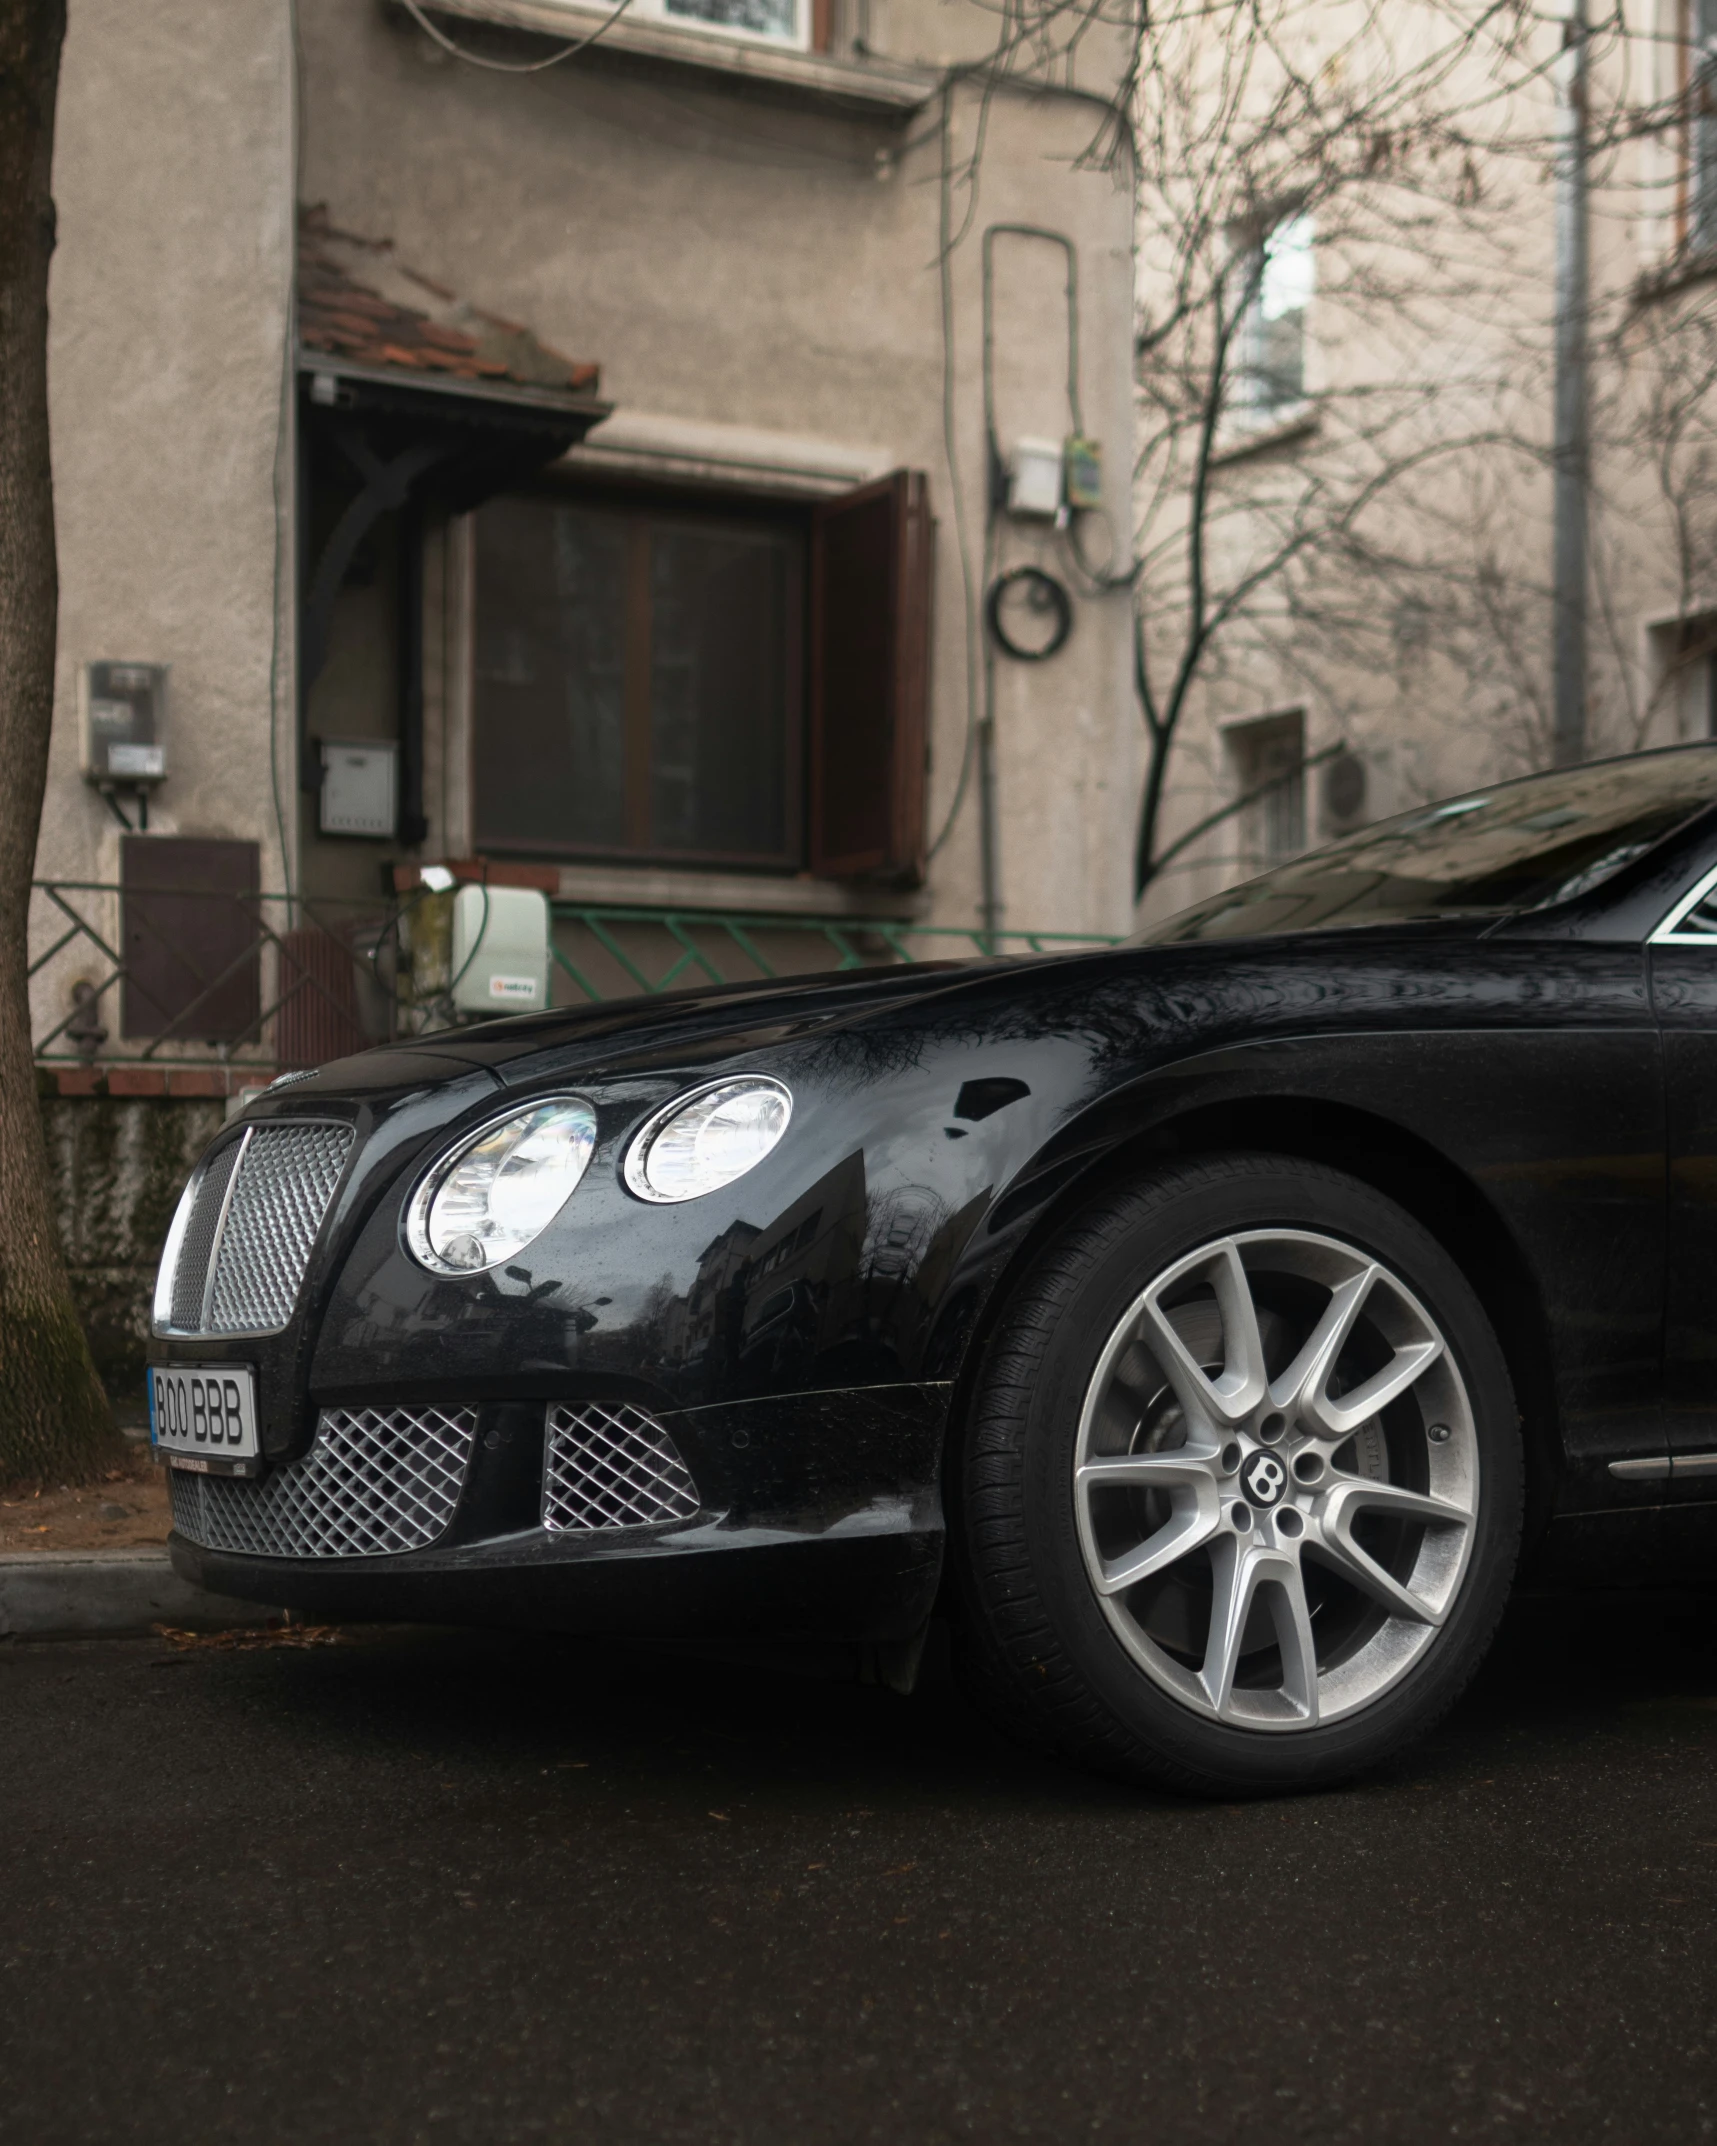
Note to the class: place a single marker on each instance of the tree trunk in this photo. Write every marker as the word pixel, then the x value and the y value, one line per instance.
pixel 54 1419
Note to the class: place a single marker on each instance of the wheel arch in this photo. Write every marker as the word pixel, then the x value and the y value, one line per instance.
pixel 1394 1161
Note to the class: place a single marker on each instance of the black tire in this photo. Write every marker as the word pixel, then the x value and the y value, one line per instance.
pixel 1035 1648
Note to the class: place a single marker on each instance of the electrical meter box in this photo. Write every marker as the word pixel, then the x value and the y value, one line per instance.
pixel 125 723
pixel 500 950
pixel 1083 470
pixel 360 788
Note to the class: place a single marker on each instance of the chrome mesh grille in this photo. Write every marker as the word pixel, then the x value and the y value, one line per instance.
pixel 612 1467
pixel 247 1243
pixel 374 1483
pixel 191 1275
pixel 284 1185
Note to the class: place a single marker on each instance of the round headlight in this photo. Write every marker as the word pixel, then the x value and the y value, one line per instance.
pixel 703 1141
pixel 484 1202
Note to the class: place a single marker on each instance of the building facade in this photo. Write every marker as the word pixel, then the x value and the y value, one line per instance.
pixel 1395 253
pixel 578 467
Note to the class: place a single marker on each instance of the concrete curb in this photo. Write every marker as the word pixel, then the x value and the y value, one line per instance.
pixel 87 1594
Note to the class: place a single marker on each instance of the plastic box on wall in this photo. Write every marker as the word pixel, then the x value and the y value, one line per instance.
pixel 500 950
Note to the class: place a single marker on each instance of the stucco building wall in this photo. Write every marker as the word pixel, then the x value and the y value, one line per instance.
pixel 169 306
pixel 740 258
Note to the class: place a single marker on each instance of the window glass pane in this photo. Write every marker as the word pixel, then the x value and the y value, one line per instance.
pixel 719 645
pixel 1281 277
pixel 1703 84
pixel 764 18
pixel 549 684
pixel 636 683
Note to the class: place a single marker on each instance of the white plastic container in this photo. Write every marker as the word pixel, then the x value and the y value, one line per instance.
pixel 500 950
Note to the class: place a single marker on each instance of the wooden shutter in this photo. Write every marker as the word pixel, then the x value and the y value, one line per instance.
pixel 191 934
pixel 870 675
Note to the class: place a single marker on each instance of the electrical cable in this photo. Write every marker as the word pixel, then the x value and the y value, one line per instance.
pixel 512 67
pixel 951 455
pixel 1042 593
pixel 282 427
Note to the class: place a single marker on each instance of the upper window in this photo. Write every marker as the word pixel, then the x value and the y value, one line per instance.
pixel 1278 274
pixel 1702 125
pixel 773 22
pixel 1268 758
pixel 733 688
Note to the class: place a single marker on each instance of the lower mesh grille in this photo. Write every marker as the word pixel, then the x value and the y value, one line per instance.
pixel 612 1467
pixel 372 1485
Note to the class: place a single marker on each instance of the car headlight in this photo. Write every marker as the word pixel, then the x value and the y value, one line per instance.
pixel 487 1199
pixel 702 1141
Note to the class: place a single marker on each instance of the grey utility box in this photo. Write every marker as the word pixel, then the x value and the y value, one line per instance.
pixel 124 724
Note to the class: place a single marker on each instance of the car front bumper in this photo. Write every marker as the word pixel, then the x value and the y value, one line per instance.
pixel 810 1515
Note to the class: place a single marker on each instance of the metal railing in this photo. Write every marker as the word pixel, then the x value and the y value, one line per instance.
pixel 714 946
pixel 194 977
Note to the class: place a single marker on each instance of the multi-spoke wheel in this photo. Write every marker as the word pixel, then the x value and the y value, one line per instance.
pixel 1242 1491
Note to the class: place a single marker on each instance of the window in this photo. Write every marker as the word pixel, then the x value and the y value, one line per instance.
pixel 774 22
pixel 1278 277
pixel 736 687
pixel 1702 125
pixel 1268 757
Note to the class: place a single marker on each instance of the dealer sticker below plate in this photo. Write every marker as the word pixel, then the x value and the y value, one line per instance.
pixel 203 1416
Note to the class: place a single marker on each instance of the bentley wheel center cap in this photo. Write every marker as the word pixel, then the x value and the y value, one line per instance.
pixel 1263 1479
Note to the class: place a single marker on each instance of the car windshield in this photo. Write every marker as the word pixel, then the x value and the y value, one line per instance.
pixel 1519 845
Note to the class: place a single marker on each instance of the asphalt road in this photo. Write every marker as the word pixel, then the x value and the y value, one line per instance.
pixel 443 1887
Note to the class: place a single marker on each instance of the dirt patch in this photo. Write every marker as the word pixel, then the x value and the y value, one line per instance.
pixel 126 1509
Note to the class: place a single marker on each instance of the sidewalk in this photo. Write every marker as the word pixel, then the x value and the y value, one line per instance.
pixel 77 1563
pixel 80 1594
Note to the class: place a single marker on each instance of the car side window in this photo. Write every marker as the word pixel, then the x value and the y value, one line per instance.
pixel 1693 920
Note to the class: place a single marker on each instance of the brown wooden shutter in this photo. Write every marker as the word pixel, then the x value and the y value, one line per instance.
pixel 870 676
pixel 191 934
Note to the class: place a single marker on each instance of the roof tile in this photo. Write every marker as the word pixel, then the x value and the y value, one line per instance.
pixel 357 320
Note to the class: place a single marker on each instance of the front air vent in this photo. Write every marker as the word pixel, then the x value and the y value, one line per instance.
pixel 612 1466
pixel 256 1205
pixel 375 1483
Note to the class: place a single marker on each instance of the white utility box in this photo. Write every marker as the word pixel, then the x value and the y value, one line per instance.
pixel 1034 481
pixel 360 788
pixel 500 950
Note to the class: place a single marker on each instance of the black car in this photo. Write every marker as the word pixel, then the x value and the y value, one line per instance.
pixel 1206 1326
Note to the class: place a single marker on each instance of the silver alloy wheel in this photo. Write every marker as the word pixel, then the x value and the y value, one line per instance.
pixel 1277 1420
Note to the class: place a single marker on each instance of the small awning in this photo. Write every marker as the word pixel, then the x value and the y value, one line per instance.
pixel 424 397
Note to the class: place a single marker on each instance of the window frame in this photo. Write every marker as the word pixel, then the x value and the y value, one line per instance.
pixel 639 503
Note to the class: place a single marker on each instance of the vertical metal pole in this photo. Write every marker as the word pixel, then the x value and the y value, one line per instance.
pixel 989 859
pixel 412 826
pixel 1571 450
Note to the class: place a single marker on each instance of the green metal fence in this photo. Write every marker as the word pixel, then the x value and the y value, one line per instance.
pixel 290 982
pixel 705 946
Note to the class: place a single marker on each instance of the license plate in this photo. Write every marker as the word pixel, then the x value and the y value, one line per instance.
pixel 203 1416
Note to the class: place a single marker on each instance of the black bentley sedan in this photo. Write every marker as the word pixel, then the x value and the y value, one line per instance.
pixel 1209 1327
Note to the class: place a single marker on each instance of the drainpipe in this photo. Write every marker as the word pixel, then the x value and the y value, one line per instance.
pixel 989 858
pixel 1571 451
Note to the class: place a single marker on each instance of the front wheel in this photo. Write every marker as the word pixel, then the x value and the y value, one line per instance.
pixel 1241 1494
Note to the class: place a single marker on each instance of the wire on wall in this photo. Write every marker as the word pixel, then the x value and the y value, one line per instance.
pixel 512 67
pixel 282 450
pixel 951 455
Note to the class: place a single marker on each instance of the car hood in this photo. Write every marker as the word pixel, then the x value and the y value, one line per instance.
pixel 1168 987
